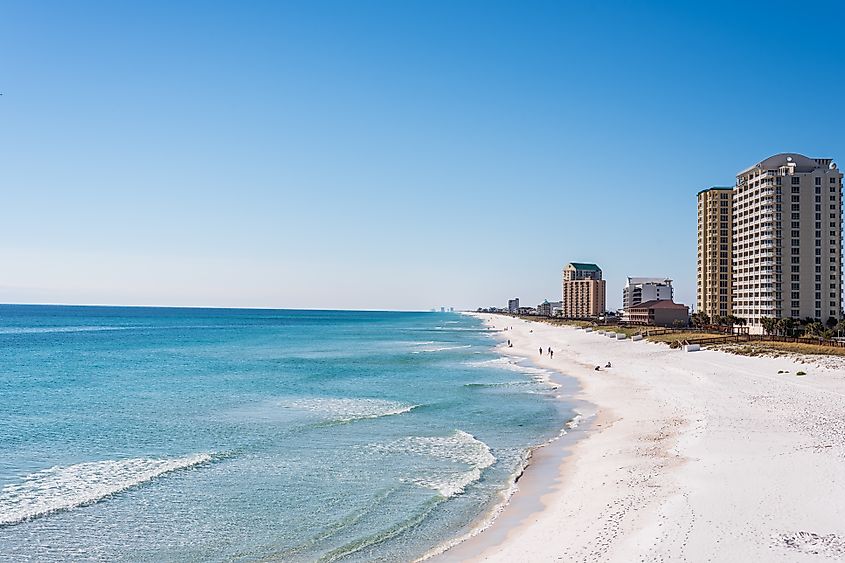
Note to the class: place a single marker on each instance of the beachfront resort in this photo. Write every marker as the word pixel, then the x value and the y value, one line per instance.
pixel 734 452
pixel 769 251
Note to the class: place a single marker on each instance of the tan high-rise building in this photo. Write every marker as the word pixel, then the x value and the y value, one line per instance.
pixel 583 291
pixel 715 239
pixel 787 239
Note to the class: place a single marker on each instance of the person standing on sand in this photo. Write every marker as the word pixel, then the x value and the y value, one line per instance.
pixel 541 350
pixel 551 353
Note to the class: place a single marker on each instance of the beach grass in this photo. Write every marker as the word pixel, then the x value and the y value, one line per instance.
pixel 560 322
pixel 675 336
pixel 779 349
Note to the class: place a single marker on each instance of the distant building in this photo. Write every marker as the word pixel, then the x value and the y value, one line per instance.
pixel 513 305
pixel 451 309
pixel 584 292
pixel 547 309
pixel 527 311
pixel 640 290
pixel 442 309
pixel 659 312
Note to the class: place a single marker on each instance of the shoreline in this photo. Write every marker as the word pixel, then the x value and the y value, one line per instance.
pixel 538 477
pixel 690 456
pixel 542 458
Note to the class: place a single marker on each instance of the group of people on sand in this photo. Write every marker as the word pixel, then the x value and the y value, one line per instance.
pixel 551 353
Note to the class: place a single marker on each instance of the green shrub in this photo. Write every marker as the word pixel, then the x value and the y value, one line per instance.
pixel 800 373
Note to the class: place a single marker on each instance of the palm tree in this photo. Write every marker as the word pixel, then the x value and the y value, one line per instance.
pixel 770 325
pixel 815 328
pixel 699 319
pixel 787 326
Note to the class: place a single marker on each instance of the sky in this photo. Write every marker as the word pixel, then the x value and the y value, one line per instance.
pixel 387 155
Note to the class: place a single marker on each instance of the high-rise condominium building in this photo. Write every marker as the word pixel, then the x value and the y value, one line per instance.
pixel 583 291
pixel 640 290
pixel 787 239
pixel 715 240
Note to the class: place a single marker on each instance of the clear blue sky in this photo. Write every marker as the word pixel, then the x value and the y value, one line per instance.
pixel 403 155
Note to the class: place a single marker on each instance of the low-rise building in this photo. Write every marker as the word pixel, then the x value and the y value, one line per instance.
pixel 640 290
pixel 547 309
pixel 659 312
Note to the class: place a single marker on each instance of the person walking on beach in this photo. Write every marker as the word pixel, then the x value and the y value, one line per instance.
pixel 551 353
pixel 541 350
pixel 509 343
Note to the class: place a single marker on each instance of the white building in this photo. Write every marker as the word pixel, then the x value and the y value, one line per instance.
pixel 640 290
pixel 787 239
pixel 549 309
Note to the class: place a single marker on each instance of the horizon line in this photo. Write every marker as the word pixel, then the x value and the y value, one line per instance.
pixel 111 305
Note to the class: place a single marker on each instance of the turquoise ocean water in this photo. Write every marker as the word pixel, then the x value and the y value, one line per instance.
pixel 148 434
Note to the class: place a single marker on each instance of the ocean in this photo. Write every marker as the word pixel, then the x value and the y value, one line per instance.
pixel 167 434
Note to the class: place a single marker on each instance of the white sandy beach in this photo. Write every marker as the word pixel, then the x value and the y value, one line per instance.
pixel 701 456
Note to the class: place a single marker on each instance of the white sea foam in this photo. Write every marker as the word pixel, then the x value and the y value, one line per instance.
pixel 62 488
pixel 440 348
pixel 487 521
pixel 499 384
pixel 469 455
pixel 54 329
pixel 507 362
pixel 539 375
pixel 347 410
pixel 572 424
pixel 504 495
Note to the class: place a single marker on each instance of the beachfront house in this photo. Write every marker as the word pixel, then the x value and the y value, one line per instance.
pixel 640 290
pixel 659 312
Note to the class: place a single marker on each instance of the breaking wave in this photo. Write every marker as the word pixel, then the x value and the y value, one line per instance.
pixel 539 375
pixel 348 410
pixel 468 456
pixel 63 488
pixel 439 348
pixel 495 385
pixel 55 329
